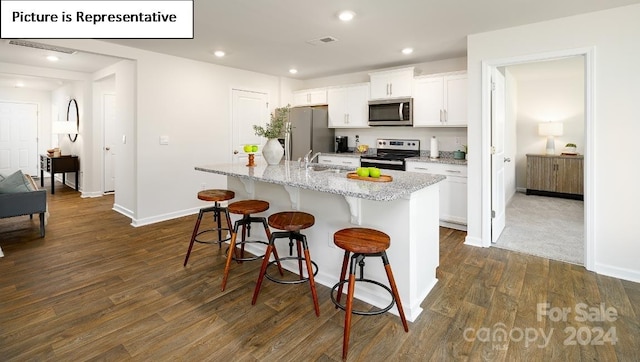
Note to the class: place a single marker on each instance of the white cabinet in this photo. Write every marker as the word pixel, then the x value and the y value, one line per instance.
pixel 348 106
pixel 440 100
pixel 339 161
pixel 453 191
pixel 392 83
pixel 310 97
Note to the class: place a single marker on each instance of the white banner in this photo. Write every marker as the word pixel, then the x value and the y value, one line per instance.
pixel 97 19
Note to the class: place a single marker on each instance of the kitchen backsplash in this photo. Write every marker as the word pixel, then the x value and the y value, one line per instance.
pixel 449 139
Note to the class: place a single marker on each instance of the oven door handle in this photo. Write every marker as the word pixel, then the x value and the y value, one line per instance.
pixel 383 162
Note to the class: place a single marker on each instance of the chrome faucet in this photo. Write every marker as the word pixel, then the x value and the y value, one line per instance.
pixel 308 160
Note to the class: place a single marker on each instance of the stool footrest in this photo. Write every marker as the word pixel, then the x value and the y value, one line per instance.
pixel 212 241
pixel 285 281
pixel 360 312
pixel 240 243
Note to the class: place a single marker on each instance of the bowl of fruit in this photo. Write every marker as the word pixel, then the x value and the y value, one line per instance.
pixel 369 174
pixel 250 148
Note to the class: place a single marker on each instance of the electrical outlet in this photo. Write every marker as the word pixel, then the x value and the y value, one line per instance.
pixel 203 186
pixel 457 140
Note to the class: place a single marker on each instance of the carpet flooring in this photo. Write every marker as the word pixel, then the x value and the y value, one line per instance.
pixel 549 227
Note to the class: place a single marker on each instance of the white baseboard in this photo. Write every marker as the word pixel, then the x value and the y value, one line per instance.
pixel 473 241
pixel 123 210
pixel 453 225
pixel 91 194
pixel 617 272
pixel 164 217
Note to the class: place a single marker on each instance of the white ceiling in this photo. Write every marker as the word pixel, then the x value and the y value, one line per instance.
pixel 271 36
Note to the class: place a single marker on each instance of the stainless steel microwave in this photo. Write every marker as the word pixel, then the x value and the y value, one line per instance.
pixel 391 112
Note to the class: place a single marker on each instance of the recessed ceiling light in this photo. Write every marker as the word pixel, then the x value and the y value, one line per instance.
pixel 219 53
pixel 52 58
pixel 407 50
pixel 346 15
pixel 293 71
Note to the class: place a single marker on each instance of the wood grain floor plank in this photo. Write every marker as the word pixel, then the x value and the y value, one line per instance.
pixel 96 288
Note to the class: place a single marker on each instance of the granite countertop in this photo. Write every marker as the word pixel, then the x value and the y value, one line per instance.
pixel 289 173
pixel 446 157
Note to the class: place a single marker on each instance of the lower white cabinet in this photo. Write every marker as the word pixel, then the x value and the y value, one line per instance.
pixel 453 191
pixel 339 161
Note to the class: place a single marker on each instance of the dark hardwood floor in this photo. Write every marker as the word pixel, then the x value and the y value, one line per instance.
pixel 96 288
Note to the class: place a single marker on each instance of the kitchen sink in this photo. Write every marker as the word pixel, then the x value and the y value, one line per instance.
pixel 327 169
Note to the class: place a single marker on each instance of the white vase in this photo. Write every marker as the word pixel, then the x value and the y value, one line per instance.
pixel 272 151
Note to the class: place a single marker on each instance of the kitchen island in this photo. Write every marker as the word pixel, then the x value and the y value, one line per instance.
pixel 405 208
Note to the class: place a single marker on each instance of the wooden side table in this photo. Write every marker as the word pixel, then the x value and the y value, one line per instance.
pixel 61 164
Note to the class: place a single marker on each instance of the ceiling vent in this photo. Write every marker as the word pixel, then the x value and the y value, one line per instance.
pixel 34 45
pixel 323 40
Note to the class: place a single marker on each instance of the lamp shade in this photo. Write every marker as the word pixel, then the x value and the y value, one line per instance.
pixel 63 127
pixel 550 129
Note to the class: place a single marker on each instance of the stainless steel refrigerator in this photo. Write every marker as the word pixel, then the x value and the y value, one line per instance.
pixel 309 131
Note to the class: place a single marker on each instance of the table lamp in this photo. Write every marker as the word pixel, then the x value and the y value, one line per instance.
pixel 64 127
pixel 550 130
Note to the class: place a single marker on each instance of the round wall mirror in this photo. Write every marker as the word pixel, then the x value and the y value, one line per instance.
pixel 73 116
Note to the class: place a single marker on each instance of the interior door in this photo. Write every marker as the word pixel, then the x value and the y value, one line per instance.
pixel 110 141
pixel 19 138
pixel 248 108
pixel 497 157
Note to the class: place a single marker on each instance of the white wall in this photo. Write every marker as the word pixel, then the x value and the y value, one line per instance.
pixel 188 101
pixel 548 99
pixel 615 35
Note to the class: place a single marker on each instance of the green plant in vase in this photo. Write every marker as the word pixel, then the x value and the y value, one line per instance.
pixel 276 128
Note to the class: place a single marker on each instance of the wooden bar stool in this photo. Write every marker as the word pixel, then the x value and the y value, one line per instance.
pixel 362 243
pixel 246 208
pixel 292 222
pixel 215 196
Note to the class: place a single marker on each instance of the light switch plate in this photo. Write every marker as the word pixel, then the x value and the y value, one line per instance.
pixel 164 140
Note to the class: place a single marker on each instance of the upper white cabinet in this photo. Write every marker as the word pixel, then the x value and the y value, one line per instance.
pixel 392 83
pixel 348 106
pixel 310 97
pixel 440 100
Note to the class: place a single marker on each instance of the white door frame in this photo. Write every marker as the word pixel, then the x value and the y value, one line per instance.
pixel 589 153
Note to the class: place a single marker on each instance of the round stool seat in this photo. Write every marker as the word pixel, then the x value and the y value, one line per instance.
pixel 291 220
pixel 247 207
pixel 216 195
pixel 361 240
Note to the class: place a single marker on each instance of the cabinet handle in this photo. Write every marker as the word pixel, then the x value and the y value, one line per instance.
pixel 422 168
pixel 446 116
pixel 390 88
pixel 441 115
pixel 387 88
pixel 454 171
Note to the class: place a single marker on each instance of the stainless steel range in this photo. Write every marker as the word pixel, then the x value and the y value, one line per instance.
pixel 390 154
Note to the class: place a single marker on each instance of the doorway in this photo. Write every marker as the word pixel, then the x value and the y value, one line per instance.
pixel 488 157
pixel 110 139
pixel 247 108
pixel 19 138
